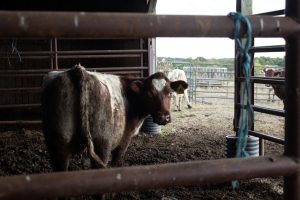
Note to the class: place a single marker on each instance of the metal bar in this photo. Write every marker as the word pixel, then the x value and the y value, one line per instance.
pixel 141 41
pixel 261 147
pixel 79 52
pixel 52 53
pixel 264 80
pixel 104 51
pixel 137 25
pixel 100 56
pixel 55 55
pixel 117 69
pixel 273 13
pixel 114 71
pixel 27 57
pixel 24 71
pixel 140 178
pixel 20 106
pixel 267 137
pixel 265 110
pixel 292 105
pixel 270 111
pixel 20 122
pixel 79 56
pixel 20 90
pixel 20 75
pixel 263 49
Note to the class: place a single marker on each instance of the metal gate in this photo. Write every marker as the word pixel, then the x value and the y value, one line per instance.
pixel 27 24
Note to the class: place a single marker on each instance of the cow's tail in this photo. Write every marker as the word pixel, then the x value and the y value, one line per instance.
pixel 81 82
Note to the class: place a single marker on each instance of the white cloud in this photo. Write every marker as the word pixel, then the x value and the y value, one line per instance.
pixel 207 47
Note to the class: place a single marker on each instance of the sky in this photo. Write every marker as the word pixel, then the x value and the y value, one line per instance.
pixel 210 47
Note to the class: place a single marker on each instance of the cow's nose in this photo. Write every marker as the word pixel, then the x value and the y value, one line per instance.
pixel 162 119
pixel 168 118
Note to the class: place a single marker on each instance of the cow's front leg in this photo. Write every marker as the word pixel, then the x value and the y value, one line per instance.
pixel 177 103
pixel 119 153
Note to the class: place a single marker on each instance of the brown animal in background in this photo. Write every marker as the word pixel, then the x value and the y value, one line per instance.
pixel 99 113
pixel 279 90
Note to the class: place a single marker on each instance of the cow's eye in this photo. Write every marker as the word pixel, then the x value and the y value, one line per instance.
pixel 149 94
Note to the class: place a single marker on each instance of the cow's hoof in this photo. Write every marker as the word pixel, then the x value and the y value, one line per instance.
pixel 189 106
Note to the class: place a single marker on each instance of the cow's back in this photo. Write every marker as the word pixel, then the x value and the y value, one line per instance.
pixel 176 75
pixel 78 105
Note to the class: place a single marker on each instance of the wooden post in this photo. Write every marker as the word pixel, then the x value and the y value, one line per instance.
pixel 244 7
pixel 292 105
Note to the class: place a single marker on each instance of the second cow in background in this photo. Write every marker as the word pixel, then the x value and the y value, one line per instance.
pixel 279 90
pixel 175 75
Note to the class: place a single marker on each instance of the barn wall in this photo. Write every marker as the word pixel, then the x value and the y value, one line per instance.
pixel 24 62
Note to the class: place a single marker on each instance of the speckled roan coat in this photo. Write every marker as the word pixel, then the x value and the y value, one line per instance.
pixel 99 113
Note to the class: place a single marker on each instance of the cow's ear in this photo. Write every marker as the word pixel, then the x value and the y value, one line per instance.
pixel 136 86
pixel 179 86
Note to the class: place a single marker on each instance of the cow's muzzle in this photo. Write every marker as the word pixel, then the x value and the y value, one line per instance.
pixel 162 118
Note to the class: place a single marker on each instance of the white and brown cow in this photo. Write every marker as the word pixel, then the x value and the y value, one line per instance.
pixel 99 113
pixel 175 75
pixel 279 90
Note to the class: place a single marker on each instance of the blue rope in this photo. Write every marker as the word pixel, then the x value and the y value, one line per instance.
pixel 244 120
pixel 15 50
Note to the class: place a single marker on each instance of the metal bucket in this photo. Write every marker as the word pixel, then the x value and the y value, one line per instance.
pixel 252 146
pixel 150 127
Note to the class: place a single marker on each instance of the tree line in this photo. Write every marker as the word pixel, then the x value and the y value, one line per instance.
pixel 166 63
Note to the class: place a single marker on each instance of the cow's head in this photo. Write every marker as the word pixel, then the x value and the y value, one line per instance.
pixel 156 92
pixel 269 72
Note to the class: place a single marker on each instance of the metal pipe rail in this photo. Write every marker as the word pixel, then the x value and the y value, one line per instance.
pixel 24 71
pixel 140 178
pixel 264 80
pixel 265 110
pixel 128 25
pixel 263 49
pixel 21 122
pixel 20 90
pixel 270 111
pixel 267 137
pixel 276 12
pixel 26 106
pixel 81 52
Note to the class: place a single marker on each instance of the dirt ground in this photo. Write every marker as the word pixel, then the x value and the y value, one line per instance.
pixel 194 134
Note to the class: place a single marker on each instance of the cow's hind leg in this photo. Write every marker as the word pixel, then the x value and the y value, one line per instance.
pixel 99 153
pixel 59 158
pixel 102 149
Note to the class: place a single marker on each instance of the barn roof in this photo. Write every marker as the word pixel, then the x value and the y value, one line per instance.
pixel 80 5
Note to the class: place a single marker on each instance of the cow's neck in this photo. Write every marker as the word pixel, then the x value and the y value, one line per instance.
pixel 136 110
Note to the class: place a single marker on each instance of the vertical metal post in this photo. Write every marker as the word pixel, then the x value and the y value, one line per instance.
pixel 55 55
pixel 292 118
pixel 244 7
pixel 261 147
pixel 51 53
pixel 141 41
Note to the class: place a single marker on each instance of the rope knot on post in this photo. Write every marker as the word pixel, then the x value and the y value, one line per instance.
pixel 246 110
